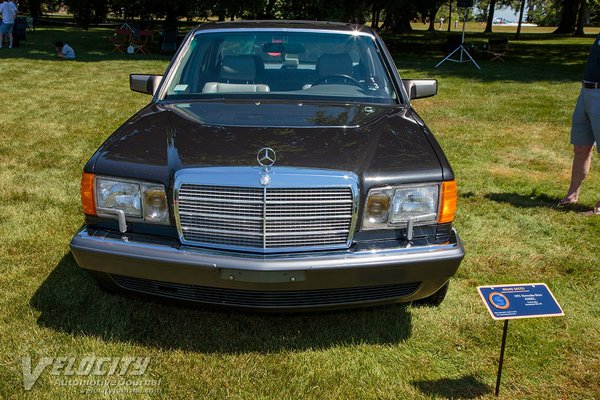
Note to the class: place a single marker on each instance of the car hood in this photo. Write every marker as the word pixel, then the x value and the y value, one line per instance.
pixel 381 144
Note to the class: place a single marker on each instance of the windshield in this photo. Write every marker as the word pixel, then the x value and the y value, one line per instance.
pixel 282 64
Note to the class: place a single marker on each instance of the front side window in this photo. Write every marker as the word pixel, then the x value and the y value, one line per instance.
pixel 282 64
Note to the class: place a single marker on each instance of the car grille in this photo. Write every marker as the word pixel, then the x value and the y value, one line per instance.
pixel 254 298
pixel 265 218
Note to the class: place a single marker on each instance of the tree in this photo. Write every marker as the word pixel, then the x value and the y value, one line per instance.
pixel 430 8
pixel 568 18
pixel 87 12
pixel 543 12
pixel 33 7
pixel 398 15
pixel 521 10
pixel 581 18
pixel 490 17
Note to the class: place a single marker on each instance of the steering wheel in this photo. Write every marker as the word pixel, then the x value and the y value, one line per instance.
pixel 347 79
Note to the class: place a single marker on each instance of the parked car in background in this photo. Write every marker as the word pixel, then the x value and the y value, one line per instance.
pixel 279 166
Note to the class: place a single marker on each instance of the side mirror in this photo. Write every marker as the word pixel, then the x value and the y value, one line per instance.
pixel 144 83
pixel 420 88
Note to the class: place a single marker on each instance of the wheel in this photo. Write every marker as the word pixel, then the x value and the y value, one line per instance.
pixel 104 281
pixel 435 299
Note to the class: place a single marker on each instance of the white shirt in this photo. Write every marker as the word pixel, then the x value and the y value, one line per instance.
pixel 9 12
pixel 68 52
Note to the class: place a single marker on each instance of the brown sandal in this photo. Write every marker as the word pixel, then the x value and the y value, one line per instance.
pixel 565 203
pixel 590 213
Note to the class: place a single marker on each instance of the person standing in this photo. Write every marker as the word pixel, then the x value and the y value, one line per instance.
pixel 585 128
pixel 8 9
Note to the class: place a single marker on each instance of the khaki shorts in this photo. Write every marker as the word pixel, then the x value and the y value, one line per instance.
pixel 585 129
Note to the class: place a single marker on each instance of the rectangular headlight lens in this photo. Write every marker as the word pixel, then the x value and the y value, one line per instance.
pixel 420 204
pixel 119 195
pixel 391 207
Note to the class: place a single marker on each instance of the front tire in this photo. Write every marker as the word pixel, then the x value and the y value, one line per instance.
pixel 435 299
pixel 104 281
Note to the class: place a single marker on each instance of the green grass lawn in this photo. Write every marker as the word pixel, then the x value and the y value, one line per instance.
pixel 505 130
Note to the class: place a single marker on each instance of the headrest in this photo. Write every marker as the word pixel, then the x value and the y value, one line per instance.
pixel 334 64
pixel 238 68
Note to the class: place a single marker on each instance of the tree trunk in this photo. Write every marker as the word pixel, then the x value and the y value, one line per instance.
pixel 581 18
pixel 35 8
pixel 397 19
pixel 432 12
pixel 449 15
pixel 375 18
pixel 568 17
pixel 520 19
pixel 490 17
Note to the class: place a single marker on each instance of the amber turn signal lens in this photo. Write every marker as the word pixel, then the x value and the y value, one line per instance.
pixel 87 194
pixel 448 206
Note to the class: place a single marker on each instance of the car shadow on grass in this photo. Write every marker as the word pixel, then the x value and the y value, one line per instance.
pixel 465 387
pixel 533 201
pixel 70 301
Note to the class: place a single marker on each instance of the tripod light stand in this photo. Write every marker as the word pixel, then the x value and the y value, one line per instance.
pixel 461 56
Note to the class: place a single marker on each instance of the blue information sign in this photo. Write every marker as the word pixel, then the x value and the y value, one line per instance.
pixel 528 300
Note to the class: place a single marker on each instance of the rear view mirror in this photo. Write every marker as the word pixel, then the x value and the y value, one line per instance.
pixel 285 48
pixel 144 83
pixel 420 88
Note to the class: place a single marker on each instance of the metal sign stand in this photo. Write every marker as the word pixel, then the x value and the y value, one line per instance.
pixel 526 300
pixel 462 49
pixel 501 357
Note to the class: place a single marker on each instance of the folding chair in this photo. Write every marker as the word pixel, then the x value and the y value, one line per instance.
pixel 120 40
pixel 497 49
pixel 145 39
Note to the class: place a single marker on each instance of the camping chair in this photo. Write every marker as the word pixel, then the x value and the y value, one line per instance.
pixel 497 49
pixel 121 39
pixel 144 41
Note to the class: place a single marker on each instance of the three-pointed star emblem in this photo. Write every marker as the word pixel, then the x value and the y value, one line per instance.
pixel 266 157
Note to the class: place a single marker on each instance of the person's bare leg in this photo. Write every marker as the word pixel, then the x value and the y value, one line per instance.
pixel 10 40
pixel 582 159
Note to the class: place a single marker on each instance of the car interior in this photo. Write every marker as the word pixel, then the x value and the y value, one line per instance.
pixel 317 64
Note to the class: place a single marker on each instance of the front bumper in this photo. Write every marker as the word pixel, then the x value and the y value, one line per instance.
pixel 144 263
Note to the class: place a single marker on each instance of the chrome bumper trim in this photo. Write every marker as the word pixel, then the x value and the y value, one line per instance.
pixel 92 242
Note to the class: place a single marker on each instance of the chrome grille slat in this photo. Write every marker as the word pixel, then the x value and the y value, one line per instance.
pixel 224 200
pixel 265 218
pixel 222 231
pixel 233 216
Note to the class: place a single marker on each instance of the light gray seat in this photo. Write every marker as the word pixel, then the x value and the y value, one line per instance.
pixel 329 65
pixel 238 75
pixel 334 64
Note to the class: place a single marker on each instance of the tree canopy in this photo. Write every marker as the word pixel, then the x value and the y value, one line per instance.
pixel 392 15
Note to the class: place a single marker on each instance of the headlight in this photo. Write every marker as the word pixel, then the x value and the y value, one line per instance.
pixel 138 200
pixel 155 204
pixel 119 195
pixel 392 207
pixel 420 204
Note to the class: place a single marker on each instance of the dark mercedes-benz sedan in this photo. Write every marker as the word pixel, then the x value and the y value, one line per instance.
pixel 278 166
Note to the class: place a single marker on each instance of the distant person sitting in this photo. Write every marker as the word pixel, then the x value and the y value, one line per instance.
pixel 8 9
pixel 64 51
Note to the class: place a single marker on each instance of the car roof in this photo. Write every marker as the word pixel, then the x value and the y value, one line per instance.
pixel 285 24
